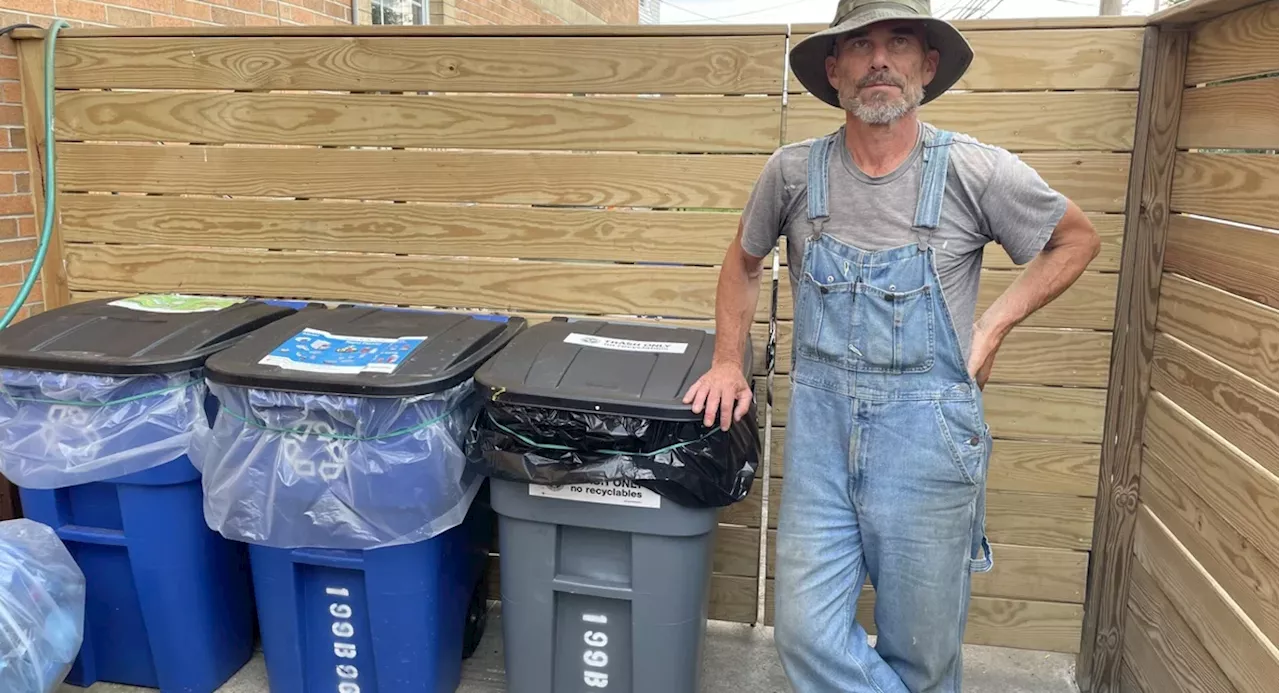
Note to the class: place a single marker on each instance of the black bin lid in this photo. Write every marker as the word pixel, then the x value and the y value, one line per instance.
pixel 133 335
pixel 364 350
pixel 601 366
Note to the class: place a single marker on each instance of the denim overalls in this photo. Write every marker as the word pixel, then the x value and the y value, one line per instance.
pixel 886 461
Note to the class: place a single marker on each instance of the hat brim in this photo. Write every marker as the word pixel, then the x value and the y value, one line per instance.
pixel 808 57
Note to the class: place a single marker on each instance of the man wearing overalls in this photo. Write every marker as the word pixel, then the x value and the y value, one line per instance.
pixel 886 444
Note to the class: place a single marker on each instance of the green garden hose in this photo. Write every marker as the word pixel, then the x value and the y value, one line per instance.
pixel 50 198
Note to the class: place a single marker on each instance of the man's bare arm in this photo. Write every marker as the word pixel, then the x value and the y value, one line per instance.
pixel 723 392
pixel 1073 245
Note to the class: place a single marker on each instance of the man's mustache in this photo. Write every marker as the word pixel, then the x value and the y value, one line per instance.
pixel 878 78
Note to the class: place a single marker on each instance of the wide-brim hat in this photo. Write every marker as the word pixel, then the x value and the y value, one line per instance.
pixel 808 57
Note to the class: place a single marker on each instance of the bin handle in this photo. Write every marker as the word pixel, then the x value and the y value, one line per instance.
pixel 330 558
pixel 591 588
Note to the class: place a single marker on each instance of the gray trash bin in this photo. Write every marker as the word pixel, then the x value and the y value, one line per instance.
pixel 607 489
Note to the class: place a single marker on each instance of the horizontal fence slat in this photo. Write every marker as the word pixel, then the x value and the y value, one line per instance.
pixel 1016 465
pixel 1028 356
pixel 1087 304
pixel 641 180
pixel 1238 187
pixel 1240 260
pixel 1236 331
pixel 1240 43
pixel 1015 121
pixel 1240 409
pixel 1022 572
pixel 553 64
pixel 426 229
pixel 489 284
pixel 1046 59
pixel 667 124
pixel 737 551
pixel 1024 412
pixel 1238 115
pixel 733 598
pixel 1095 180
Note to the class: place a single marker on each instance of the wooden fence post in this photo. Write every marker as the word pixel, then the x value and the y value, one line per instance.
pixel 1160 89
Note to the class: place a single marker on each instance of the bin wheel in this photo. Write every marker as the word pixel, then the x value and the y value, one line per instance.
pixel 477 618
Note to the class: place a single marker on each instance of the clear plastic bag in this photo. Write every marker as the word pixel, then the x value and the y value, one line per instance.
pixel 42 597
pixel 292 470
pixel 64 429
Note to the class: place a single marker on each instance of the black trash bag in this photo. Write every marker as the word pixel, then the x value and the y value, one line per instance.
pixel 681 460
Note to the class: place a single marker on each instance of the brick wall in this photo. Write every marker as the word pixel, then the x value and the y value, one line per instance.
pixel 539 11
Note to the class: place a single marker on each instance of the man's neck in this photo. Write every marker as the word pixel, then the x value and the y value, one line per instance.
pixel 880 149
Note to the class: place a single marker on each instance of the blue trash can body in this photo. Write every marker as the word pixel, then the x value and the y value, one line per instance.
pixel 391 620
pixel 99 403
pixel 169 603
pixel 338 459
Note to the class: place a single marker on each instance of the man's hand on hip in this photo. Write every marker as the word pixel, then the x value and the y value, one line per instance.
pixel 982 355
pixel 722 391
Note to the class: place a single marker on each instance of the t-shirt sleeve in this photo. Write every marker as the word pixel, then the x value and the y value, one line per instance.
pixel 763 215
pixel 1021 209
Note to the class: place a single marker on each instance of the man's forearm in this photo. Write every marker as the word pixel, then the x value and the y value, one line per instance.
pixel 737 295
pixel 1044 279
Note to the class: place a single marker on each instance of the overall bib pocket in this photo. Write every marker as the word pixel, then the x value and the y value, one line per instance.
pixel 893 331
pixel 822 319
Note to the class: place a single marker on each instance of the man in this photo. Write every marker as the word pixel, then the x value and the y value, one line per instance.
pixel 887 446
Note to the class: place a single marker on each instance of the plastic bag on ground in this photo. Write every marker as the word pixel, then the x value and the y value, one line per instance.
pixel 63 429
pixel 680 460
pixel 292 470
pixel 42 595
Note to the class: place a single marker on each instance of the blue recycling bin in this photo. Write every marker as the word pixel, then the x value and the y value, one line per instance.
pixel 99 405
pixel 337 456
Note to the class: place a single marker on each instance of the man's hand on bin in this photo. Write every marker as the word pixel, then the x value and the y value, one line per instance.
pixel 722 391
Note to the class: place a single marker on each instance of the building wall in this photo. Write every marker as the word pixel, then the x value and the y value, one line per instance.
pixel 535 11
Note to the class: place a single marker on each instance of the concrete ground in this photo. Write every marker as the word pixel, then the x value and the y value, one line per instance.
pixel 738 659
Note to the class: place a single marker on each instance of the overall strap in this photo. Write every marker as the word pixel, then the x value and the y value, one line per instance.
pixel 933 186
pixel 819 183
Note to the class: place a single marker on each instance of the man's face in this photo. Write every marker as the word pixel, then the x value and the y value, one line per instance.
pixel 881 71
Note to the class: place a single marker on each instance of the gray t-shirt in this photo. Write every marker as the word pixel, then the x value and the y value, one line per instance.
pixel 992 195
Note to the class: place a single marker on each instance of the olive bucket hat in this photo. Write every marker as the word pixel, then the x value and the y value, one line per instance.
pixel 809 56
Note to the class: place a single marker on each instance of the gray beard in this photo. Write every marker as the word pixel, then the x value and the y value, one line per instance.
pixel 883 112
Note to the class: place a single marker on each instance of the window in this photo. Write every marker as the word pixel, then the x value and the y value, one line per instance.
pixel 401 12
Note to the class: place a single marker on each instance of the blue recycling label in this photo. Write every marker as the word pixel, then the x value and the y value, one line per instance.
pixel 319 351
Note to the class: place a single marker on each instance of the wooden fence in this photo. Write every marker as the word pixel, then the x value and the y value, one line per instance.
pixel 585 172
pixel 1183 596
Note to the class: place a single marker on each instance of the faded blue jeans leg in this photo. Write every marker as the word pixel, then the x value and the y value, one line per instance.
pixel 923 464
pixel 820 562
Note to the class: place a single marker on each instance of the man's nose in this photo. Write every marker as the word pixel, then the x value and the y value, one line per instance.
pixel 879 56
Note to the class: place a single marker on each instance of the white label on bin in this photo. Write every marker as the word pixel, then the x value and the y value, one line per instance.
pixel 595 340
pixel 617 492
pixel 175 303
pixel 342 629
pixel 317 351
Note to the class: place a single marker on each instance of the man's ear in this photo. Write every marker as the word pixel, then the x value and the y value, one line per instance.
pixel 831 70
pixel 931 60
